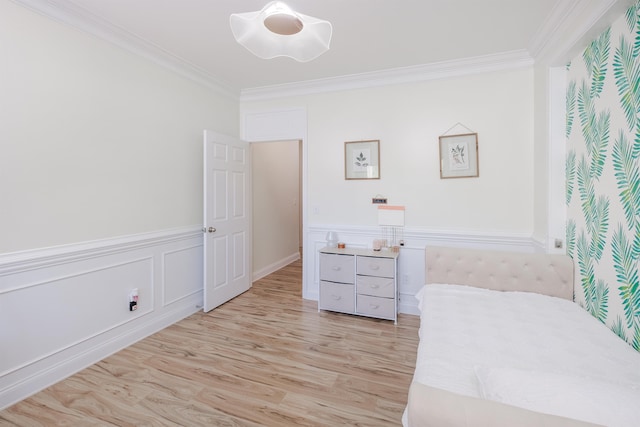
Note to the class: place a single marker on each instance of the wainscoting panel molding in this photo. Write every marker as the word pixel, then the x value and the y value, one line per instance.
pixel 65 308
pixel 411 262
pixel 183 274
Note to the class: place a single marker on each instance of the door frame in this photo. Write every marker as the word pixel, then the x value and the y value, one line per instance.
pixel 283 124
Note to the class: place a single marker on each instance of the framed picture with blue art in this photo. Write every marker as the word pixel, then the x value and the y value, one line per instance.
pixel 362 159
pixel 459 156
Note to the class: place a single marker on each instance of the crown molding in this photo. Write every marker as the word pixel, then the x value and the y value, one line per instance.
pixel 570 26
pixel 413 74
pixel 70 14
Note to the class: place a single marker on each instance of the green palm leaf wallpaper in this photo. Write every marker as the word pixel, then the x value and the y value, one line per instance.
pixel 603 167
pixel 633 21
pixel 595 57
pixel 570 174
pixel 571 105
pixel 626 71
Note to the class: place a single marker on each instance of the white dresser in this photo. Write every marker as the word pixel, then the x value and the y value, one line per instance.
pixel 359 281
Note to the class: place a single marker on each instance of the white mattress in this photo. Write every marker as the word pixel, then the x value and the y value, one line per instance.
pixel 464 327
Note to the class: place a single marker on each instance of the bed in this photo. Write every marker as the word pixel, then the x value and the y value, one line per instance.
pixel 503 344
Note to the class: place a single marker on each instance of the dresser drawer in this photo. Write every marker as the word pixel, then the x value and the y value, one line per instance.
pixel 375 286
pixel 370 266
pixel 336 297
pixel 375 306
pixel 337 268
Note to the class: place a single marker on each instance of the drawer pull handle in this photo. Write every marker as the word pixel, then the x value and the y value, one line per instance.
pixel 374 267
pixel 336 268
pixel 375 286
pixel 374 306
pixel 336 297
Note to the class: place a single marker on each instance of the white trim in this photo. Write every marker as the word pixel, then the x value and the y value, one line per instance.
pixel 200 249
pixel 556 160
pixel 278 124
pixel 418 73
pixel 60 269
pixel 293 127
pixel 263 272
pixel 551 31
pixel 540 246
pixel 73 363
pixel 14 262
pixel 517 241
pixel 571 25
pixel 69 13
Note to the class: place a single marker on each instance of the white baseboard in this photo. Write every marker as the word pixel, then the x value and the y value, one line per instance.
pixel 263 272
pixel 67 307
pixel 79 359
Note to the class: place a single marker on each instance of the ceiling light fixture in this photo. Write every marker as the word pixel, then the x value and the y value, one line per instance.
pixel 277 30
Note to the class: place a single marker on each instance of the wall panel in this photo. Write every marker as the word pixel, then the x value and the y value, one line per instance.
pixel 65 308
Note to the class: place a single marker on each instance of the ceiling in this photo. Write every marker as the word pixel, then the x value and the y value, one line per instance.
pixel 368 35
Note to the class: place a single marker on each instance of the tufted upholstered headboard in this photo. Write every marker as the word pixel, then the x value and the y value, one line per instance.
pixel 501 271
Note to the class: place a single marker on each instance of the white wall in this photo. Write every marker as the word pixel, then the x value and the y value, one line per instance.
pixel 96 142
pixel 276 205
pixel 492 211
pixel 101 193
pixel 541 155
pixel 407 119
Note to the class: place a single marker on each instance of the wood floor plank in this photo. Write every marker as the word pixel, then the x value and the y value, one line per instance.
pixel 265 358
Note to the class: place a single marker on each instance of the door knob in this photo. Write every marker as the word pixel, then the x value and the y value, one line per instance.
pixel 211 230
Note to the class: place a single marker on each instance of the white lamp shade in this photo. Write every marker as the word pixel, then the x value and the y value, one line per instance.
pixel 332 239
pixel 310 42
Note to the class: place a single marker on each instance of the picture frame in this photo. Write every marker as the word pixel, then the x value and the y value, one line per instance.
pixel 459 156
pixel 362 159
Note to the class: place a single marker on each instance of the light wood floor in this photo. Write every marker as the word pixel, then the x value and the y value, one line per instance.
pixel 265 358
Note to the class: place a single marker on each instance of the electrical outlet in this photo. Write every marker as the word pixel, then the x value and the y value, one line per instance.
pixel 133 300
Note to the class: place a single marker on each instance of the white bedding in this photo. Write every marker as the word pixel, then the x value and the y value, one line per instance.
pixel 466 329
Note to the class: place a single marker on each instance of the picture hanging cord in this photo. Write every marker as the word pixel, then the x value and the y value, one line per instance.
pixel 457 124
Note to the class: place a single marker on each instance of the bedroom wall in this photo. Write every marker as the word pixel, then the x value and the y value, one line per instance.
pixel 603 175
pixel 493 210
pixel 276 205
pixel 408 119
pixel 97 142
pixel 101 190
pixel 549 229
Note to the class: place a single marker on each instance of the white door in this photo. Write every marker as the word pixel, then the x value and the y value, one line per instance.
pixel 227 218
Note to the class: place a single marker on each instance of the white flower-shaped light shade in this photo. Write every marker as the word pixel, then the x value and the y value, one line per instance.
pixel 277 30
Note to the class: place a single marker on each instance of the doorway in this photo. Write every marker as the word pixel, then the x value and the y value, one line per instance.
pixel 277 207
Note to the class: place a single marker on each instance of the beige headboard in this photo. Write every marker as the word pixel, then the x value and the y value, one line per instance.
pixel 502 271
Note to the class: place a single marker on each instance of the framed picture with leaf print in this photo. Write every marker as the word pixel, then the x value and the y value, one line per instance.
pixel 362 159
pixel 459 156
